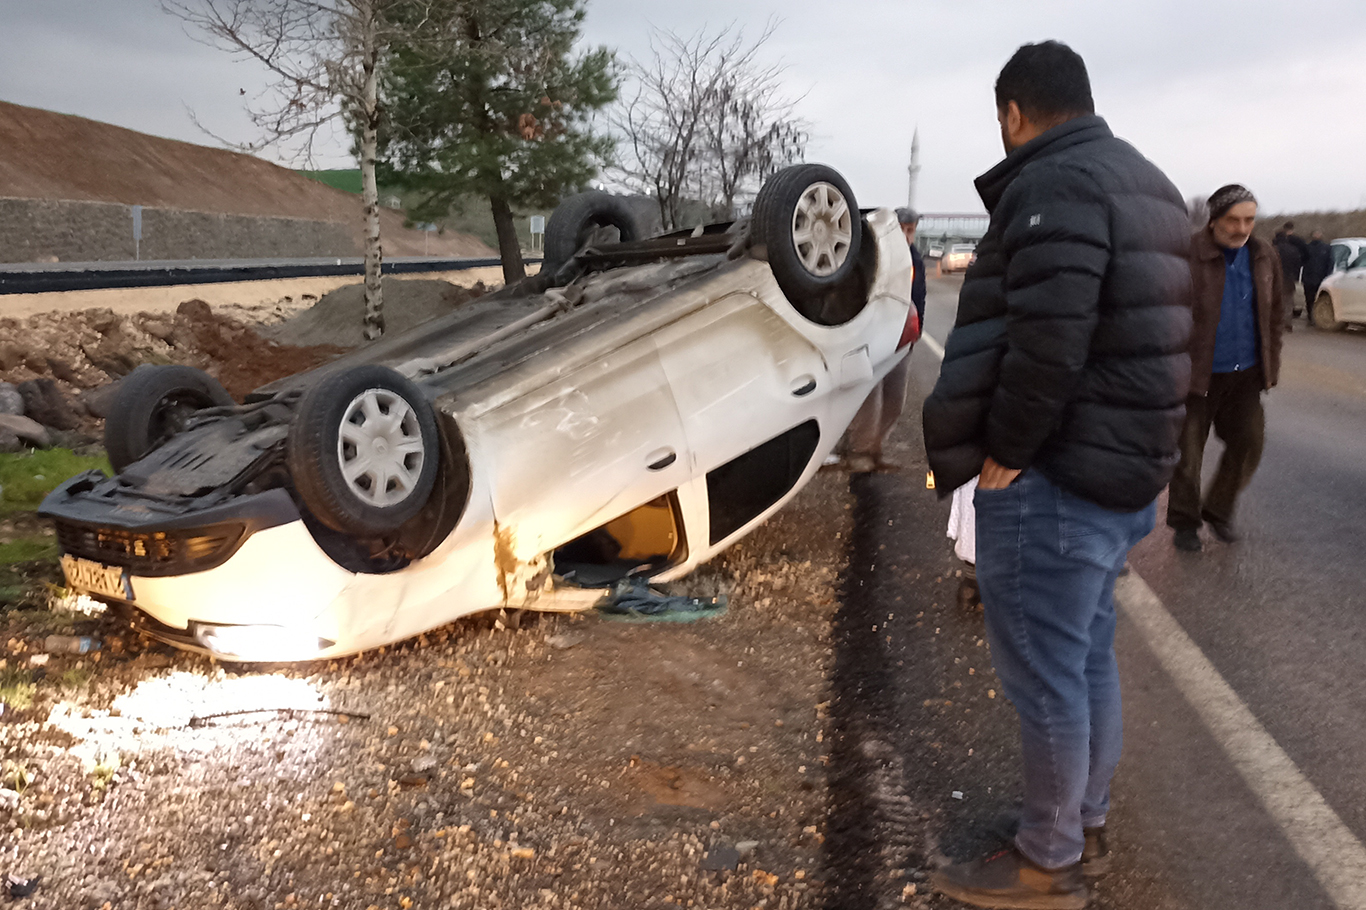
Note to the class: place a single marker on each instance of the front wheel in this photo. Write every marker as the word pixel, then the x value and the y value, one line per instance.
pixel 1324 317
pixel 152 404
pixel 364 450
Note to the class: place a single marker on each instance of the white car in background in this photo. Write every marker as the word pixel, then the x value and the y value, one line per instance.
pixel 1342 295
pixel 959 257
pixel 633 410
pixel 1346 250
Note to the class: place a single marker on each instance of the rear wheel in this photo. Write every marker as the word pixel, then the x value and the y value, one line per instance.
pixel 364 450
pixel 808 221
pixel 1324 317
pixel 152 404
pixel 574 221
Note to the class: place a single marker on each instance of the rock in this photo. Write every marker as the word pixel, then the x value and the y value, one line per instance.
pixel 63 370
pixel 564 641
pixel 97 401
pixel 11 402
pixel 11 355
pixel 746 848
pixel 45 403
pixel 196 310
pixel 10 444
pixel 159 329
pixel 721 858
pixel 109 357
pixel 25 428
pixel 423 763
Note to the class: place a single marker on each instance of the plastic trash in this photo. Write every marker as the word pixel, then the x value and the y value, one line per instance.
pixel 70 644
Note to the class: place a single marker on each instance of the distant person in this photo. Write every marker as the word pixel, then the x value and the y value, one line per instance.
pixel 1063 391
pixel 873 423
pixel 1318 265
pixel 1236 308
pixel 1292 250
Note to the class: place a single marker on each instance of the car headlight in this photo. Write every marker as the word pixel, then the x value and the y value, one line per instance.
pixel 259 643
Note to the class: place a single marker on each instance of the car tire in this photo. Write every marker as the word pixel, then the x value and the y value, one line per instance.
pixel 364 450
pixel 1324 317
pixel 152 404
pixel 577 217
pixel 810 225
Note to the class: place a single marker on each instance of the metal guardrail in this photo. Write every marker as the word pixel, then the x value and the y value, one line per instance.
pixel 32 278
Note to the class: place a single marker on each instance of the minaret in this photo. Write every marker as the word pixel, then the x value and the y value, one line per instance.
pixel 914 169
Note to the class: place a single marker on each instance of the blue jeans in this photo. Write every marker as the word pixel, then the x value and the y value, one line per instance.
pixel 1046 565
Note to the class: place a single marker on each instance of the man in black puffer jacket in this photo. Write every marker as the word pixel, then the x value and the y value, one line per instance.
pixel 1063 386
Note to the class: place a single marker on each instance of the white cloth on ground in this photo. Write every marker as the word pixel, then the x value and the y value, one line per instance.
pixel 963 522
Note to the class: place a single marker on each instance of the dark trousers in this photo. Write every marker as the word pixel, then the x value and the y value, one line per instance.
pixel 1233 408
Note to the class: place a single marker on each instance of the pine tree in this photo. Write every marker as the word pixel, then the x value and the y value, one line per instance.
pixel 493 102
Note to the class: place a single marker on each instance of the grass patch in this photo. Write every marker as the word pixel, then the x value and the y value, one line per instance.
pixel 16 689
pixel 27 477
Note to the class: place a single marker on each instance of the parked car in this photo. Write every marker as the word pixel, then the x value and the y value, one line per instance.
pixel 1346 250
pixel 1342 295
pixel 631 411
pixel 959 257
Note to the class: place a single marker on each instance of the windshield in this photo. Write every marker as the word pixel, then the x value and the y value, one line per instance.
pixel 1359 262
pixel 1341 253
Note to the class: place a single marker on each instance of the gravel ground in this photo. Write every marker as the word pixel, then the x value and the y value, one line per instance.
pixel 517 761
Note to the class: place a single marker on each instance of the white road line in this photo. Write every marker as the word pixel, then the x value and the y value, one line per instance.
pixel 1330 849
pixel 1328 846
pixel 934 346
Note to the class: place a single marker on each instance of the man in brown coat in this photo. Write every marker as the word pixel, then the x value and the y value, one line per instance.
pixel 1237 309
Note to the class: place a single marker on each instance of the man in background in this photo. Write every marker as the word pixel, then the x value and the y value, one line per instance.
pixel 1236 308
pixel 1318 265
pixel 874 421
pixel 1063 389
pixel 1292 250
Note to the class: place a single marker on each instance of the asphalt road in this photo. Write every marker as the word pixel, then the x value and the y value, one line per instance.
pixel 1242 782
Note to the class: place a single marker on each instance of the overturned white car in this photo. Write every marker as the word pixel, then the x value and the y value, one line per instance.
pixel 633 410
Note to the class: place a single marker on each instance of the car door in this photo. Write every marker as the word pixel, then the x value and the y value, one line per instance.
pixel 1351 289
pixel 587 447
pixel 743 378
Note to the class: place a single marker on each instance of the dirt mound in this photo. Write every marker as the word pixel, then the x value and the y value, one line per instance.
pixel 61 359
pixel 46 155
pixel 336 318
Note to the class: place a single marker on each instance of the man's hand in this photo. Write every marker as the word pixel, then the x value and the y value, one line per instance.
pixel 995 476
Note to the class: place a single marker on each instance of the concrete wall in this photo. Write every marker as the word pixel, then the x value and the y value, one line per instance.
pixel 36 230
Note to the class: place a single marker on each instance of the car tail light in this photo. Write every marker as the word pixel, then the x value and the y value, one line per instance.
pixel 911 332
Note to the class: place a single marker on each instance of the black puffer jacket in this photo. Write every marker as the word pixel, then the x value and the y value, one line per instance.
pixel 1069 353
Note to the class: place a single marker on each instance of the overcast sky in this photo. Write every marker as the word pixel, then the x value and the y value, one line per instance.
pixel 1264 92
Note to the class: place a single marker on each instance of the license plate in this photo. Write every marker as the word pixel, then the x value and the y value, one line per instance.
pixel 95 578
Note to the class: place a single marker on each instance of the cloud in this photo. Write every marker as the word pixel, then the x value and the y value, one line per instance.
pixel 1249 90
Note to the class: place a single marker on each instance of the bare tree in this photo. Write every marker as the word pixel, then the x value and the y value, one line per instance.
pixel 703 122
pixel 325 57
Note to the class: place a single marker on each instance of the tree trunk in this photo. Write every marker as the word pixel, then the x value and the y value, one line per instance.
pixel 369 143
pixel 509 247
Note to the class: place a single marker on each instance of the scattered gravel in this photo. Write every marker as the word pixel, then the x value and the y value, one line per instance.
pixel 567 762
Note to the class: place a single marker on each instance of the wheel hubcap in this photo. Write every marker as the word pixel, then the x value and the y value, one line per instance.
pixel 822 229
pixel 380 448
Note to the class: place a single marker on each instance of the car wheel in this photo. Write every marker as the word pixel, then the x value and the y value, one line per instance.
pixel 1324 318
pixel 364 450
pixel 152 404
pixel 576 218
pixel 808 221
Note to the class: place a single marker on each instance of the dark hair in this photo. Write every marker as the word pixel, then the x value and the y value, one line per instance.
pixel 1048 81
pixel 1288 226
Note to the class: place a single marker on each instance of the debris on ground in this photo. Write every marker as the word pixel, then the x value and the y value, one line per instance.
pixel 633 598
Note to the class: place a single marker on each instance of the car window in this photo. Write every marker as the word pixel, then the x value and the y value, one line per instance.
pixel 740 490
pixel 1359 262
pixel 1341 253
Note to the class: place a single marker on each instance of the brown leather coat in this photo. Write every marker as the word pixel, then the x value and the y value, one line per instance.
pixel 1207 280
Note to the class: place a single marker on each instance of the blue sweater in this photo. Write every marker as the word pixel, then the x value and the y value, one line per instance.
pixel 1235 341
